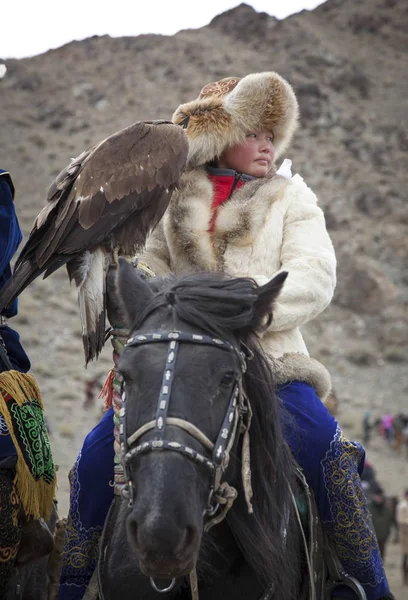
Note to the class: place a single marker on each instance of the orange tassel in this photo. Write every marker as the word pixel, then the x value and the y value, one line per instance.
pixel 107 391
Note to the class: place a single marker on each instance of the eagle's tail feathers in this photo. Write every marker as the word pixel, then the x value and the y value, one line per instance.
pixel 89 273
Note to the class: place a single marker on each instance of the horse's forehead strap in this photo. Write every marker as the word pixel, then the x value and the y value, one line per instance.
pixel 179 336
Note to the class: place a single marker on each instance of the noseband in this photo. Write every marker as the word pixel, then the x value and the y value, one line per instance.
pixel 238 408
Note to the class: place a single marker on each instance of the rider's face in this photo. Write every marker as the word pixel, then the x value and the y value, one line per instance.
pixel 253 157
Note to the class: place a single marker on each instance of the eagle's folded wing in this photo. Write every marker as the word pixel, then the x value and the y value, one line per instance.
pixel 107 199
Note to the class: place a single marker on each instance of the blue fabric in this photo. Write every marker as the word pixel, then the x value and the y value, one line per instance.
pixel 90 497
pixel 332 466
pixel 10 234
pixel 10 238
pixel 7 447
pixel 15 350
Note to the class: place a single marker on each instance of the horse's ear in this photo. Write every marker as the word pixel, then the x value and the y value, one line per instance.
pixel 267 294
pixel 133 291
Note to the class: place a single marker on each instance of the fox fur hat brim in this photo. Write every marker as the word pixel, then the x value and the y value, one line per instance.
pixel 227 110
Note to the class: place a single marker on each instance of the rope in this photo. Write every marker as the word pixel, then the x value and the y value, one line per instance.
pixel 119 474
pixel 189 427
pixel 111 392
pixel 118 333
pixel 309 564
pixel 246 460
pixel 225 495
pixel 194 584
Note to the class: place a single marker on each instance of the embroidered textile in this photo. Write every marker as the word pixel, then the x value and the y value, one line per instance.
pixel 332 466
pixel 22 412
pixel 91 493
pixel 350 522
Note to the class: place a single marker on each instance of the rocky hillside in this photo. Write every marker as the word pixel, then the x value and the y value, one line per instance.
pixel 347 63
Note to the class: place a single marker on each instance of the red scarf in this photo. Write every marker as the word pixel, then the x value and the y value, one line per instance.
pixel 223 186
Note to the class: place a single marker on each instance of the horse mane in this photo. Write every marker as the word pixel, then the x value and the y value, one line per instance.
pixel 269 538
pixel 275 559
pixel 210 301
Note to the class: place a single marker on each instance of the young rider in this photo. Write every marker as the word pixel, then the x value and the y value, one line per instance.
pixel 234 212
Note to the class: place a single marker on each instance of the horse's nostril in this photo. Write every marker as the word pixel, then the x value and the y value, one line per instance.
pixel 152 536
pixel 189 537
pixel 133 530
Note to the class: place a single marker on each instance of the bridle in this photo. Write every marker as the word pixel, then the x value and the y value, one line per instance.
pixel 237 418
pixel 238 408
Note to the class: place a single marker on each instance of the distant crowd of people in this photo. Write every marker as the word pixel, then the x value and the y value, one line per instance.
pixel 393 428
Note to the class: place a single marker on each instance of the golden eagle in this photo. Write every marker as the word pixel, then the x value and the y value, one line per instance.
pixel 104 203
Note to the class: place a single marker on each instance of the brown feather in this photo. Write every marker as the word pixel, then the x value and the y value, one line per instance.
pixel 53 235
pixel 89 271
pixel 113 194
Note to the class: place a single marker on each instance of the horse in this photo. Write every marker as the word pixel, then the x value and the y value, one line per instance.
pixel 209 509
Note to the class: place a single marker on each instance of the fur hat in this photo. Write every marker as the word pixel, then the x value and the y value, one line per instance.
pixel 226 110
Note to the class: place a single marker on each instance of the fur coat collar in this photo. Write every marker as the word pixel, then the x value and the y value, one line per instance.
pixel 238 221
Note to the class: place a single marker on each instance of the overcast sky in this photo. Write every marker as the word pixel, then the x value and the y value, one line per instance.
pixel 30 27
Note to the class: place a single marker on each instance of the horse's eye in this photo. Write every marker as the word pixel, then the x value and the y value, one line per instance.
pixel 228 378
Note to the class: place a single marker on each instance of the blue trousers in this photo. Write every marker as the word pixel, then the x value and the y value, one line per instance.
pixel 332 466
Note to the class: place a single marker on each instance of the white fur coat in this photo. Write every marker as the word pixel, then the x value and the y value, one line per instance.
pixel 268 225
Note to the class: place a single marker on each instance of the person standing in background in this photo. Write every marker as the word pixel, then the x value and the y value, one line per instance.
pixel 387 426
pixel 382 519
